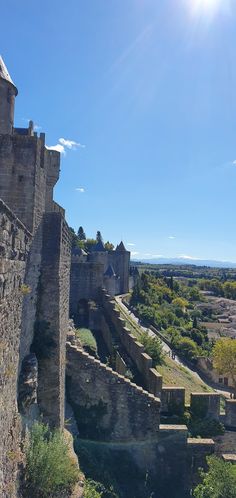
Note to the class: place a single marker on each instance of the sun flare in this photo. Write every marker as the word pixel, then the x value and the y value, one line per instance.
pixel 207 6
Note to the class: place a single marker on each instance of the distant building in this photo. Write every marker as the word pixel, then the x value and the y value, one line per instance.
pixel 98 269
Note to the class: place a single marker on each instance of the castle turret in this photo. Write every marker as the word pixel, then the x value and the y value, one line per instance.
pixel 8 92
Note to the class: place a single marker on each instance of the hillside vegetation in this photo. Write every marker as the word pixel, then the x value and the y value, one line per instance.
pixel 170 306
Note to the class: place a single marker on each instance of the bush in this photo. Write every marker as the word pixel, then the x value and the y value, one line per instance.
pixel 91 489
pixel 206 428
pixel 218 482
pixel 95 489
pixel 153 348
pixel 87 340
pixel 49 471
pixel 188 348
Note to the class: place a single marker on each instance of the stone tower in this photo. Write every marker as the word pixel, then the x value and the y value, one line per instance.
pixel 8 92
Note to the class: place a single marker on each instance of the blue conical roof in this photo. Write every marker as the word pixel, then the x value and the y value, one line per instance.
pixel 120 247
pixel 99 247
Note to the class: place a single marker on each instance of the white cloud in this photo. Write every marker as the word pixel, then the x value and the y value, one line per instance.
pixel 185 256
pixel 135 253
pixel 130 244
pixel 64 144
pixel 37 127
pixel 80 189
pixel 234 162
pixel 171 237
pixel 70 144
pixel 157 256
pixel 57 147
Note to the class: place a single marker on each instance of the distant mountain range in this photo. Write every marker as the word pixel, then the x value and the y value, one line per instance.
pixel 187 261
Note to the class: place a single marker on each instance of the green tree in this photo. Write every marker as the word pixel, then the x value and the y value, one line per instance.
pixel 188 348
pixel 224 358
pixel 218 482
pixel 109 246
pixel 153 347
pixel 99 237
pixel 81 234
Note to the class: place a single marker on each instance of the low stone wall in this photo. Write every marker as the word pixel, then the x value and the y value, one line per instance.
pixel 197 451
pixel 14 248
pixel 151 378
pixel 108 406
pixel 230 413
pixel 205 405
pixel 173 400
pixel 118 426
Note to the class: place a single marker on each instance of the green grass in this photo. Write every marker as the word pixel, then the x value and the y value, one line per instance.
pixel 87 340
pixel 177 375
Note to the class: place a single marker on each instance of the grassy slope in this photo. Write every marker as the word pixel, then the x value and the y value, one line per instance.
pixel 176 375
pixel 173 374
pixel 87 339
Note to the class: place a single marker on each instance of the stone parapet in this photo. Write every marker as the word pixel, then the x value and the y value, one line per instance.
pixel 230 413
pixel 108 405
pixel 205 405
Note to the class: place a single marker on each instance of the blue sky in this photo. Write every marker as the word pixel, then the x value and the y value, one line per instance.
pixel 147 88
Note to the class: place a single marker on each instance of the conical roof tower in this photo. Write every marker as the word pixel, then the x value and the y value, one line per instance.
pixel 4 73
pixel 8 92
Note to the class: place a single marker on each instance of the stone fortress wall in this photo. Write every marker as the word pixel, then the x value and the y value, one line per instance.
pixel 35 264
pixel 207 404
pixel 34 285
pixel 15 242
pixel 116 417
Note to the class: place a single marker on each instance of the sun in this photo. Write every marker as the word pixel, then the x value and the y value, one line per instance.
pixel 207 6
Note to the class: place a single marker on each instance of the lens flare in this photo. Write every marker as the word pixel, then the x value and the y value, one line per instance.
pixel 206 6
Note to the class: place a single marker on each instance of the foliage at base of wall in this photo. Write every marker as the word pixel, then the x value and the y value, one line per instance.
pixel 49 470
pixel 206 428
pixel 87 340
pixel 218 482
pixel 116 469
pixel 93 489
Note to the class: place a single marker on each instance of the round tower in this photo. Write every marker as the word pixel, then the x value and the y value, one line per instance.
pixel 8 92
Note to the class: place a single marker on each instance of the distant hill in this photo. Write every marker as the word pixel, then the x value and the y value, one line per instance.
pixel 188 261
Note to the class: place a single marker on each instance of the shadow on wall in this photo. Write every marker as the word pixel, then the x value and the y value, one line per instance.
pixel 81 318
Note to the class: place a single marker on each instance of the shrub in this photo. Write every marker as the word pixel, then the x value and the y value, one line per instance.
pixel 206 428
pixel 49 471
pixel 188 348
pixel 94 489
pixel 87 340
pixel 25 289
pixel 218 482
pixel 91 489
pixel 153 347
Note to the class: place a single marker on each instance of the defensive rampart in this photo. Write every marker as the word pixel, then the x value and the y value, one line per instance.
pixel 14 247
